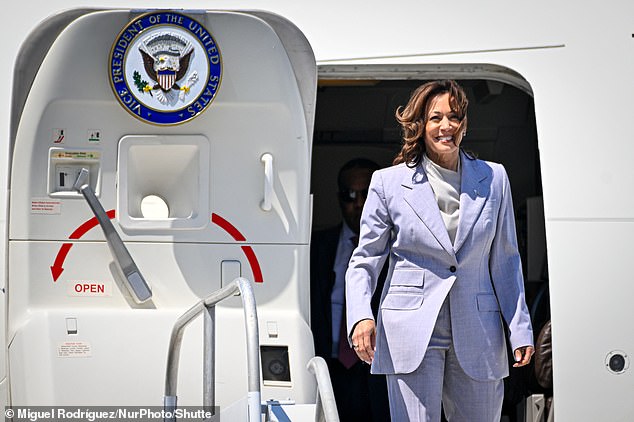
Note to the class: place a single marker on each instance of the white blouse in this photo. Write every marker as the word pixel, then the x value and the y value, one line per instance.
pixel 446 186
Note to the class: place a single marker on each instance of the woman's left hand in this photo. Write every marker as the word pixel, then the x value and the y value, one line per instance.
pixel 523 356
pixel 364 339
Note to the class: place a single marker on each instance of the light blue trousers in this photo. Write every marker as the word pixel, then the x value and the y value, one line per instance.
pixel 417 396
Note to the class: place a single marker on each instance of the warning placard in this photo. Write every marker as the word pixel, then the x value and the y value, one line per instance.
pixel 45 206
pixel 74 349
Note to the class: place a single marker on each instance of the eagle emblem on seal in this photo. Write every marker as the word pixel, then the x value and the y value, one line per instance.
pixel 166 58
pixel 165 67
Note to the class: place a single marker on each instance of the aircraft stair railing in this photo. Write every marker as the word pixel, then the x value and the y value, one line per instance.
pixel 325 405
pixel 207 308
pixel 323 410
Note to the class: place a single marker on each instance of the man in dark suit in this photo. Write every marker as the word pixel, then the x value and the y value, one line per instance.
pixel 360 396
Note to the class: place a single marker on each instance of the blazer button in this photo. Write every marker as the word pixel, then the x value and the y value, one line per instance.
pixel 452 268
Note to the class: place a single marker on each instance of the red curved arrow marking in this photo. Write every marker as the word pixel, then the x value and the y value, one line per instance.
pixel 239 237
pixel 92 223
pixel 57 269
pixel 228 227
pixel 253 262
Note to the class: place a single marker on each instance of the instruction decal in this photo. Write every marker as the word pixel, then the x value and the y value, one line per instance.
pixel 94 136
pixel 165 68
pixel 74 349
pixel 46 206
pixel 58 136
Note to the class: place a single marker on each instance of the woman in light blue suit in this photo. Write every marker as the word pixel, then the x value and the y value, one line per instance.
pixel 445 221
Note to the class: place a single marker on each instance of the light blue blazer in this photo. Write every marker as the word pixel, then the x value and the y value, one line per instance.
pixel 481 272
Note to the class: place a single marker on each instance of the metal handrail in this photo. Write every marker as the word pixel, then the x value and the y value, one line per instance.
pixel 208 304
pixel 325 407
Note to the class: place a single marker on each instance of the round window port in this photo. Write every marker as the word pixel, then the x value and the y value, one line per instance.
pixel 617 362
pixel 154 207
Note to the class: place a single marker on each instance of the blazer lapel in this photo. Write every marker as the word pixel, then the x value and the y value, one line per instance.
pixel 420 197
pixel 474 190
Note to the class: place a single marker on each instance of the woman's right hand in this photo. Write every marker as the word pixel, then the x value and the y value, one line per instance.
pixel 364 339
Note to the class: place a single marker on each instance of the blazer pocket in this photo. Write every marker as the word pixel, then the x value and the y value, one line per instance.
pixel 402 301
pixel 414 278
pixel 487 303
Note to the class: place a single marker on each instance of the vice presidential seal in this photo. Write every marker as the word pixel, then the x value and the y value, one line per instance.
pixel 165 68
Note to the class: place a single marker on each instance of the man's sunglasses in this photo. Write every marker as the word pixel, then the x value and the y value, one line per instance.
pixel 349 195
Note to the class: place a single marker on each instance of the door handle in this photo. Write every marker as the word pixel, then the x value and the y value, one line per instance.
pixel 269 190
pixel 122 258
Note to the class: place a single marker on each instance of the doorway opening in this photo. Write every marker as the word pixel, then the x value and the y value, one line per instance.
pixel 355 119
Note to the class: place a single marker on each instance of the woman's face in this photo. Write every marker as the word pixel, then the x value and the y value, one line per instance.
pixel 442 130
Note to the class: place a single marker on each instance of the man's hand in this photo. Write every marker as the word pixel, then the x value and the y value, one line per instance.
pixel 523 356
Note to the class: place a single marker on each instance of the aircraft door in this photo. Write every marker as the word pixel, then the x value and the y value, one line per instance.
pixel 158 156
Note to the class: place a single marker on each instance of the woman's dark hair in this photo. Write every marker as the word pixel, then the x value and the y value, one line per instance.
pixel 413 117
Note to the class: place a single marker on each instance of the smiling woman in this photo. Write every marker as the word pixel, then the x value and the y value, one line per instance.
pixel 449 347
pixel 442 137
pixel 435 113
